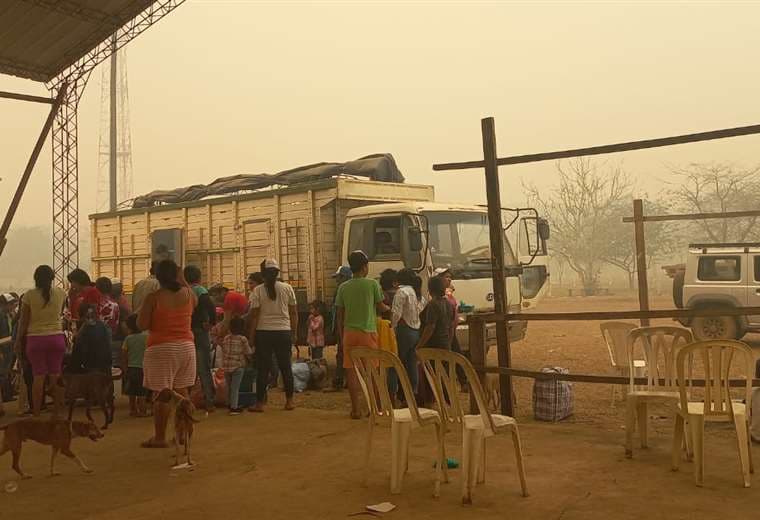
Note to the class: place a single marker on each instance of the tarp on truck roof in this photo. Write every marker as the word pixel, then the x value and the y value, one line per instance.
pixel 377 167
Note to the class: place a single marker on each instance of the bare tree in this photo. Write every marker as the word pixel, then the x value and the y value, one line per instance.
pixel 661 240
pixel 717 187
pixel 581 210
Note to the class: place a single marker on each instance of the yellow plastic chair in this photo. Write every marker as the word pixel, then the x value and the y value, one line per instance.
pixel 659 346
pixel 372 366
pixel 615 335
pixel 440 370
pixel 716 357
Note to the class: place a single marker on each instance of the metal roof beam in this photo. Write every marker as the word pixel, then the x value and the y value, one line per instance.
pixel 77 11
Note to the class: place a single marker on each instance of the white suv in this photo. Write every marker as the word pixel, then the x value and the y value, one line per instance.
pixel 719 276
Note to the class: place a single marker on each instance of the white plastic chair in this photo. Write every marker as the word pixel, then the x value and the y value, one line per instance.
pixel 615 335
pixel 372 366
pixel 440 370
pixel 716 358
pixel 659 346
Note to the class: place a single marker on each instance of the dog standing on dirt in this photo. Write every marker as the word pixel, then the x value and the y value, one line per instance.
pixel 184 422
pixel 317 373
pixel 95 388
pixel 56 433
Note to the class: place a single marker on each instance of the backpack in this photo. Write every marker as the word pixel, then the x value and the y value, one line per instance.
pixel 552 400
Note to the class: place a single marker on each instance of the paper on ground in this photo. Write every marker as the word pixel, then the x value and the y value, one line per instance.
pixel 383 507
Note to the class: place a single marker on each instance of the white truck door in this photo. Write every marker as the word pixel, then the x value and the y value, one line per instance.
pixel 532 252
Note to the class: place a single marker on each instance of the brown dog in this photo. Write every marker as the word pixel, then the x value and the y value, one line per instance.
pixel 184 422
pixel 55 432
pixel 95 388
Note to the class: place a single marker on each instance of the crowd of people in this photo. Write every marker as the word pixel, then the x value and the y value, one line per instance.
pixel 166 337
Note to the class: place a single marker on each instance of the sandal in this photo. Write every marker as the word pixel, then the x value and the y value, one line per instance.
pixel 290 406
pixel 152 443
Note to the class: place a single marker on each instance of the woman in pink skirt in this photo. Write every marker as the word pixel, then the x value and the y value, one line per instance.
pixel 169 360
pixel 41 330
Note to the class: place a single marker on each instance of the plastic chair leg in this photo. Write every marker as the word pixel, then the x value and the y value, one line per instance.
pixel 482 462
pixel 678 438
pixel 519 459
pixel 697 427
pixel 396 454
pixel 643 421
pixel 368 450
pixel 471 443
pixel 440 465
pixel 740 422
pixel 630 424
pixel 749 449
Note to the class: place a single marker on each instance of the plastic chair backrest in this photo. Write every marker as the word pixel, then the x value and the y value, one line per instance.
pixel 659 346
pixel 717 356
pixel 440 370
pixel 615 334
pixel 372 366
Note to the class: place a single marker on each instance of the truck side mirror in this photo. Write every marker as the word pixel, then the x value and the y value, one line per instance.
pixel 415 239
pixel 544 231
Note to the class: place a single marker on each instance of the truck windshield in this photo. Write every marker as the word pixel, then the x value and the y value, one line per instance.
pixel 460 240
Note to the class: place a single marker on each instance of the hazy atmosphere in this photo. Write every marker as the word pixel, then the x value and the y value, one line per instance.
pixel 225 87
pixel 584 341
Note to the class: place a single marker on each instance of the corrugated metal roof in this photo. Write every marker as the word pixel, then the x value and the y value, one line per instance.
pixel 39 39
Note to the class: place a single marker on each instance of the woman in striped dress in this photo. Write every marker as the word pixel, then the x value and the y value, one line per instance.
pixel 169 360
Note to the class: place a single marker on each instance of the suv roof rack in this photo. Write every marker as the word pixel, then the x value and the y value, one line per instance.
pixel 725 244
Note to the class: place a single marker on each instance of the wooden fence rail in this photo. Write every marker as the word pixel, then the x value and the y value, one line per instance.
pixel 592 378
pixel 614 315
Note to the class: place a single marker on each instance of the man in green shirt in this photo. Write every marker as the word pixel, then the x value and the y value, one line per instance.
pixel 359 301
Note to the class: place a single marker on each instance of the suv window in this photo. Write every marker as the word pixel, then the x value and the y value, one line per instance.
pixel 720 269
pixel 757 268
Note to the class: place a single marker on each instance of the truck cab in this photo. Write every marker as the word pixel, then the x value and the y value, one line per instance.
pixel 719 276
pixel 426 235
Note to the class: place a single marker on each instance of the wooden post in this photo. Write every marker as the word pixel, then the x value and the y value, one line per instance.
pixel 478 349
pixel 641 257
pixel 496 231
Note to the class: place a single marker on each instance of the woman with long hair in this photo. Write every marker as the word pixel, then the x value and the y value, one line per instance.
pixel 273 329
pixel 169 360
pixel 41 329
pixel 405 320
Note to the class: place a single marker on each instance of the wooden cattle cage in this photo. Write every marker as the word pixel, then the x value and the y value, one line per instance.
pixel 227 237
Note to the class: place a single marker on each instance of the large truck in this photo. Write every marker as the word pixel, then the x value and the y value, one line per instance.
pixel 311 226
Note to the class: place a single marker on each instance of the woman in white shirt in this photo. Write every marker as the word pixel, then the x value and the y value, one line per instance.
pixel 273 328
pixel 405 320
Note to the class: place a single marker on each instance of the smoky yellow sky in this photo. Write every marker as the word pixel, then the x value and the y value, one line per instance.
pixel 225 87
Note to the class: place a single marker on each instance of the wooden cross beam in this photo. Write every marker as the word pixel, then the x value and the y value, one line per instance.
pixel 491 165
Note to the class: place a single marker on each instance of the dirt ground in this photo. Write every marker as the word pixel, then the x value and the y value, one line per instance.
pixel 307 463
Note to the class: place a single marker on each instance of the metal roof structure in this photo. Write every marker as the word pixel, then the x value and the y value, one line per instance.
pixel 60 42
pixel 39 39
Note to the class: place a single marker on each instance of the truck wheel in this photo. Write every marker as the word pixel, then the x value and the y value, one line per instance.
pixel 715 327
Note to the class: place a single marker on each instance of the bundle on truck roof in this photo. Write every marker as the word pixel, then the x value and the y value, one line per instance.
pixel 230 225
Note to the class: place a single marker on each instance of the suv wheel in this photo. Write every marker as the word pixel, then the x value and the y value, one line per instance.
pixel 714 327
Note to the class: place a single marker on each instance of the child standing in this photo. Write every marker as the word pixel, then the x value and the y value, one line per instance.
pixel 133 351
pixel 316 335
pixel 235 355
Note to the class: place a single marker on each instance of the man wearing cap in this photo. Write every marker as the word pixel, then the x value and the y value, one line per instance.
pixel 342 275
pixel 359 301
